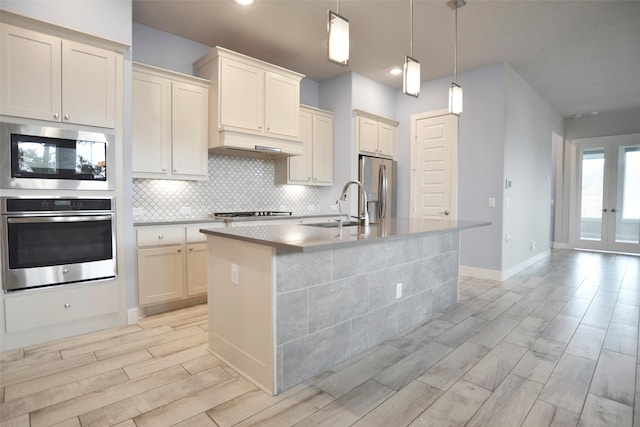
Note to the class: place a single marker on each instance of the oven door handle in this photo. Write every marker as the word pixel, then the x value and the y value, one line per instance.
pixel 44 219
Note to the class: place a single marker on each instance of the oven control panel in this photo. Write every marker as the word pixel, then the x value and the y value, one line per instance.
pixel 56 205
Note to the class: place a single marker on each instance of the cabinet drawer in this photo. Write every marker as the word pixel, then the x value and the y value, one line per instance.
pixel 160 236
pixel 47 308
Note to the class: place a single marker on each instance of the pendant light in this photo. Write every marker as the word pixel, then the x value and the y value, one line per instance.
pixel 455 91
pixel 411 79
pixel 338 38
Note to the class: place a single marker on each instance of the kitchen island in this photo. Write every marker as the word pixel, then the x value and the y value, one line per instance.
pixel 288 301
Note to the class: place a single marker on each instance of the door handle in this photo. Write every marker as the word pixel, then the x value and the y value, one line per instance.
pixel 444 213
pixel 604 210
pixel 382 191
pixel 613 210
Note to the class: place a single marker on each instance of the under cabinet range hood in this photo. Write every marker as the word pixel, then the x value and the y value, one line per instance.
pixel 239 143
pixel 254 105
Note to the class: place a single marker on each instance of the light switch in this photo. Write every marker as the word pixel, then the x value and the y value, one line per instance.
pixel 492 202
pixel 234 273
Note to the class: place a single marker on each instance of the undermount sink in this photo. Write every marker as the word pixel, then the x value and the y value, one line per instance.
pixel 332 224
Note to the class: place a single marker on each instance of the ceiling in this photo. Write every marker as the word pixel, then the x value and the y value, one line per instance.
pixel 581 56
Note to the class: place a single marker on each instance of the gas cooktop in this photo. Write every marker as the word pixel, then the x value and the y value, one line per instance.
pixel 251 213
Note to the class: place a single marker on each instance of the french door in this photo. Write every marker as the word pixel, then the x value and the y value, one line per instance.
pixel 608 208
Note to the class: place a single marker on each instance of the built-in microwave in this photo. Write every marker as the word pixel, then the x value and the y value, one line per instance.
pixel 40 157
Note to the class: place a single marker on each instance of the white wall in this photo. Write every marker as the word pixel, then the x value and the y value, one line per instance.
pixel 480 156
pixel 529 124
pixel 605 124
pixel 109 19
pixel 335 95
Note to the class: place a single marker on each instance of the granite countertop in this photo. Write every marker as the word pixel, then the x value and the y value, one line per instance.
pixel 200 220
pixel 304 237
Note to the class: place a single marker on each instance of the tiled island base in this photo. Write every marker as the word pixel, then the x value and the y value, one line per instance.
pixel 333 304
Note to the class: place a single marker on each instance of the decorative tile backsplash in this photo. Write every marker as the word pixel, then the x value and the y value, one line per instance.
pixel 235 184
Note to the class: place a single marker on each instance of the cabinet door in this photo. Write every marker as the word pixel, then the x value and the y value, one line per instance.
pixel 88 85
pixel 386 140
pixel 241 95
pixel 300 166
pixel 368 135
pixel 322 150
pixel 151 124
pixel 189 106
pixel 196 269
pixel 282 105
pixel 30 79
pixel 160 274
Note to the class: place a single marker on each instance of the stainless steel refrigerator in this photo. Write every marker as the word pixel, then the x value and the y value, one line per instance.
pixel 378 176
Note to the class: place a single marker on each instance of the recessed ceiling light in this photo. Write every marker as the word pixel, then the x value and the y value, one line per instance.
pixel 395 71
pixel 577 116
pixel 594 113
pixel 245 2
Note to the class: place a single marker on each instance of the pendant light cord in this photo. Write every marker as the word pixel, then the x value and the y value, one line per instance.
pixel 411 28
pixel 455 49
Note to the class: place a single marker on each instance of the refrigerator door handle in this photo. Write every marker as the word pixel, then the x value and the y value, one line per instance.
pixel 382 191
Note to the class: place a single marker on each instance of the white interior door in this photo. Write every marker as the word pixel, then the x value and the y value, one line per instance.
pixel 434 166
pixel 608 198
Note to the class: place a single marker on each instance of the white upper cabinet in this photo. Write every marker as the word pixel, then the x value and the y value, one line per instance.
pixel 170 122
pixel 375 135
pixel 315 165
pixel 255 106
pixel 48 78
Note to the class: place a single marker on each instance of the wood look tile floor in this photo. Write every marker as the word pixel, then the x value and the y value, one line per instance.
pixel 556 345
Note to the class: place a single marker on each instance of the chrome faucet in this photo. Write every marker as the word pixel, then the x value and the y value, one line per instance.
pixel 364 214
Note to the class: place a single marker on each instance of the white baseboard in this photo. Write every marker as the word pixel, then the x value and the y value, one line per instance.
pixel 132 316
pixel 526 263
pixel 480 273
pixel 498 275
pixel 561 245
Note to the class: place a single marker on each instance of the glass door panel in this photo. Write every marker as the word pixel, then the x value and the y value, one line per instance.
pixel 592 194
pixel 627 209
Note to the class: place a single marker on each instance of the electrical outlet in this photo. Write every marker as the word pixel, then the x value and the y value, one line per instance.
pixel 333 207
pixel 234 273
pixel 185 210
pixel 138 212
pixel 398 290
pixel 532 246
pixel 492 202
pixel 507 238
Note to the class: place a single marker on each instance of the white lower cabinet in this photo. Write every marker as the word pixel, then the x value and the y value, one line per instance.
pixel 31 310
pixel 172 263
pixel 196 269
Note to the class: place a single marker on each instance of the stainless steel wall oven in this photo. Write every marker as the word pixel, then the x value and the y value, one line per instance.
pixel 39 157
pixel 53 241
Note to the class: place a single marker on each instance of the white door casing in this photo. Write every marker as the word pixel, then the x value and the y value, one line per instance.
pixel 434 165
pixel 612 232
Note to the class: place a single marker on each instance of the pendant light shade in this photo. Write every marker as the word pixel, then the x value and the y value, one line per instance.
pixel 411 80
pixel 338 35
pixel 455 99
pixel 455 91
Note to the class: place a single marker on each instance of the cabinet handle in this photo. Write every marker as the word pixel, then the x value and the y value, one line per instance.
pixel 56 116
pixel 179 250
pixel 259 126
pixel 164 169
pixel 269 128
pixel 613 210
pixel 175 170
pixel 67 305
pixel 67 117
pixel 190 249
pixel 160 236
